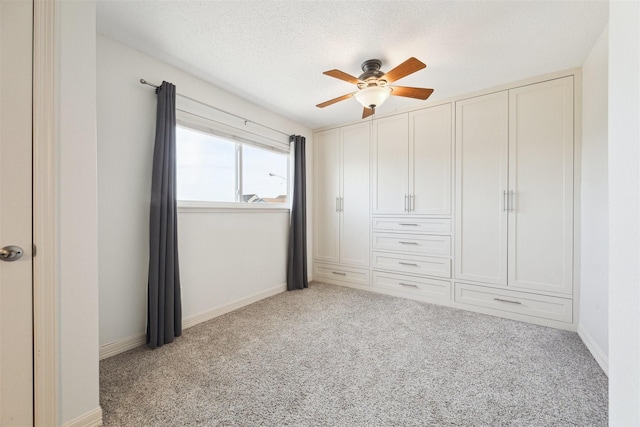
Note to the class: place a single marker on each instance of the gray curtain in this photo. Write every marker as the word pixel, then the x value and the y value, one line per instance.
pixel 297 259
pixel 164 310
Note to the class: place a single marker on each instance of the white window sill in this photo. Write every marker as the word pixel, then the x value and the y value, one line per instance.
pixel 209 207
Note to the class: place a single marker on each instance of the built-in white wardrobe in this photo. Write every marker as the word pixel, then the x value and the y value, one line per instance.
pixel 514 200
pixel 468 203
pixel 342 204
pixel 411 221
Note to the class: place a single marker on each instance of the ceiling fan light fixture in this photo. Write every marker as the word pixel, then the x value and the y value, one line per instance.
pixel 373 96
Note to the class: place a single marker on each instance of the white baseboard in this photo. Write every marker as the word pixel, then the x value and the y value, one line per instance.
pixel 131 342
pixel 195 319
pixel 122 345
pixel 92 418
pixel 596 351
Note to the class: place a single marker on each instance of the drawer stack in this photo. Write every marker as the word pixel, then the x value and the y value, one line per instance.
pixel 412 256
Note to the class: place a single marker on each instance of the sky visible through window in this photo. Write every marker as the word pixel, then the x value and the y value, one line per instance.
pixel 206 170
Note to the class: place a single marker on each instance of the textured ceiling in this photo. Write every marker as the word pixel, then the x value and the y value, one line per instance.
pixel 274 52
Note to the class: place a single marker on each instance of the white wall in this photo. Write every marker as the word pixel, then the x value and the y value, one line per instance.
pixel 224 256
pixel 624 213
pixel 593 324
pixel 77 207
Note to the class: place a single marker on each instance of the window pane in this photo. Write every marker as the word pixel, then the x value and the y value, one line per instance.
pixel 264 175
pixel 205 167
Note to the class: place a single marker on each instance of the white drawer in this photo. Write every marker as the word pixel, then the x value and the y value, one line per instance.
pixel 542 306
pixel 337 274
pixel 419 244
pixel 413 225
pixel 431 289
pixel 413 264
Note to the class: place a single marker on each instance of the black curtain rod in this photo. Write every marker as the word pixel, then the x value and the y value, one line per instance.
pixel 144 82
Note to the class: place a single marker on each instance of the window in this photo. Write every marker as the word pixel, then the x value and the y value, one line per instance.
pixel 212 168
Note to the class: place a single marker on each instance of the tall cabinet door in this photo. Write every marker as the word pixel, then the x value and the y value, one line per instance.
pixel 354 220
pixel 481 183
pixel 430 148
pixel 541 178
pixel 326 173
pixel 391 167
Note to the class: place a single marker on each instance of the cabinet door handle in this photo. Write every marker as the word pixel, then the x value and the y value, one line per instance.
pixel 512 205
pixel 505 203
pixel 337 204
pixel 341 204
pixel 506 300
pixel 408 223
pixel 412 202
pixel 408 263
pixel 408 243
pixel 406 204
pixel 339 273
pixel 410 285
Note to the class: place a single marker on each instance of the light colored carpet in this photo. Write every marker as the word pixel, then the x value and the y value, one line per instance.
pixel 335 356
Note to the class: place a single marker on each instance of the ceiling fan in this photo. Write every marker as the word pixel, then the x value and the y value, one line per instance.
pixel 374 85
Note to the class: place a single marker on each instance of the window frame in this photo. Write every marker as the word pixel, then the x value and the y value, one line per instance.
pixel 238 137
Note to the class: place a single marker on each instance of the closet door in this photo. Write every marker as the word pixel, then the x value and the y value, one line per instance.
pixel 354 218
pixel 391 165
pixel 326 180
pixel 430 160
pixel 541 178
pixel 481 184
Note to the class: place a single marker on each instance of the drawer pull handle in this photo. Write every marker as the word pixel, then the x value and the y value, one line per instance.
pixel 506 300
pixel 338 273
pixel 410 285
pixel 408 223
pixel 408 263
pixel 408 243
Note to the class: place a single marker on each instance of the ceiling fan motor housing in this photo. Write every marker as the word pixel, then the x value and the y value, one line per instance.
pixel 371 73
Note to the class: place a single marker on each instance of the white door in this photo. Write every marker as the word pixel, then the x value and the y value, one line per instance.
pixel 541 179
pixel 354 223
pixel 391 165
pixel 326 172
pixel 481 183
pixel 16 336
pixel 430 148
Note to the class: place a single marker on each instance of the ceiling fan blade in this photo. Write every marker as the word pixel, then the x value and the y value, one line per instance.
pixel 411 92
pixel 409 66
pixel 343 76
pixel 367 112
pixel 334 100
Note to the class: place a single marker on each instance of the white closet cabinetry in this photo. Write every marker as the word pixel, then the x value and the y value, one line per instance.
pixel 514 199
pixel 494 234
pixel 430 159
pixel 412 163
pixel 541 185
pixel 342 204
pixel 411 225
pixel 326 181
pixel 482 154
pixel 391 165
